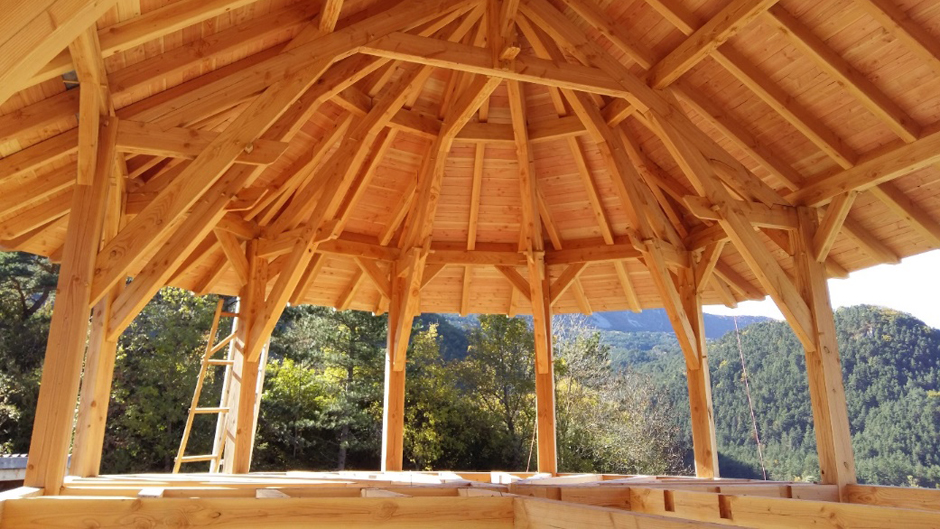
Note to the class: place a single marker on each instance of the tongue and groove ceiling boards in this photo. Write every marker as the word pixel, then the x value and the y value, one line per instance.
pixel 463 145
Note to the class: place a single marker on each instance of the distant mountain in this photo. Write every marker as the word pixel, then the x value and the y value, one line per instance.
pixel 891 370
pixel 653 320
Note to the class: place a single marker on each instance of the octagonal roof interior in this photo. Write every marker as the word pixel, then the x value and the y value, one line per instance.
pixel 472 135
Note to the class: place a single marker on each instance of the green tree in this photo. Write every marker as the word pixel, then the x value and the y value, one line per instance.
pixel 498 374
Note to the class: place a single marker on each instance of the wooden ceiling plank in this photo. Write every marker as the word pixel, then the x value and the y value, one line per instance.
pixel 735 16
pixel 36 32
pixel 211 46
pixel 348 294
pixel 594 15
pixel 795 113
pixel 914 37
pixel 869 95
pixel 308 278
pixel 28 120
pixel 584 305
pixel 21 194
pixel 831 224
pixel 626 284
pixel 902 206
pixel 738 134
pixel 39 154
pixel 31 218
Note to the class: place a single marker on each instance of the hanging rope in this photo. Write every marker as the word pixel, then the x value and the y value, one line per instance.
pixel 750 403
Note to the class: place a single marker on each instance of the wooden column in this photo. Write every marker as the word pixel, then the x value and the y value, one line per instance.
pixel 52 427
pixel 704 441
pixel 823 366
pixel 244 391
pixel 544 364
pixel 393 412
pixel 99 360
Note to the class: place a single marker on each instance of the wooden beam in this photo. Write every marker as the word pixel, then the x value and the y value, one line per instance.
pixel 100 357
pixel 178 142
pixel 835 215
pixel 823 367
pixel 329 15
pixel 565 281
pixel 379 278
pixel 141 233
pixel 515 279
pixel 393 409
pixel 705 267
pixel 704 440
pixel 35 32
pixel 730 20
pixel 735 223
pixel 349 292
pixel 245 386
pixel 235 254
pixel 52 427
pixel 776 217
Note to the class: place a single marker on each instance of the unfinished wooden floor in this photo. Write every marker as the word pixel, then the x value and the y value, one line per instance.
pixel 461 500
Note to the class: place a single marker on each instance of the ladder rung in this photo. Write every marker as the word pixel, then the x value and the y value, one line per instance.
pixel 210 410
pixel 229 314
pixel 197 459
pixel 220 362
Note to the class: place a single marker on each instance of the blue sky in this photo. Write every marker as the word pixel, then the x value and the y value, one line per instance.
pixel 911 286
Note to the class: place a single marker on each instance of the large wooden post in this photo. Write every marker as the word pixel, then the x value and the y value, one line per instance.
pixel 99 360
pixel 244 390
pixel 823 366
pixel 393 412
pixel 52 427
pixel 704 440
pixel 546 437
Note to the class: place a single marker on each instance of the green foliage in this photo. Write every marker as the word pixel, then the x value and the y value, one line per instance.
pixel 470 404
pixel 609 420
pixel 891 368
pixel 155 373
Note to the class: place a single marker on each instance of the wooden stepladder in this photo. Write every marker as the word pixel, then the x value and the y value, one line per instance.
pixel 215 458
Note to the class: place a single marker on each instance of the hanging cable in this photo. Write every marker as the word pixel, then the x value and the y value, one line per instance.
pixel 750 403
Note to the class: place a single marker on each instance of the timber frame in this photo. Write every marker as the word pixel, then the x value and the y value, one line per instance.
pixel 530 157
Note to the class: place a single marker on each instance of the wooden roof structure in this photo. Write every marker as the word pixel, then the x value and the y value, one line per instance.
pixel 472 156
